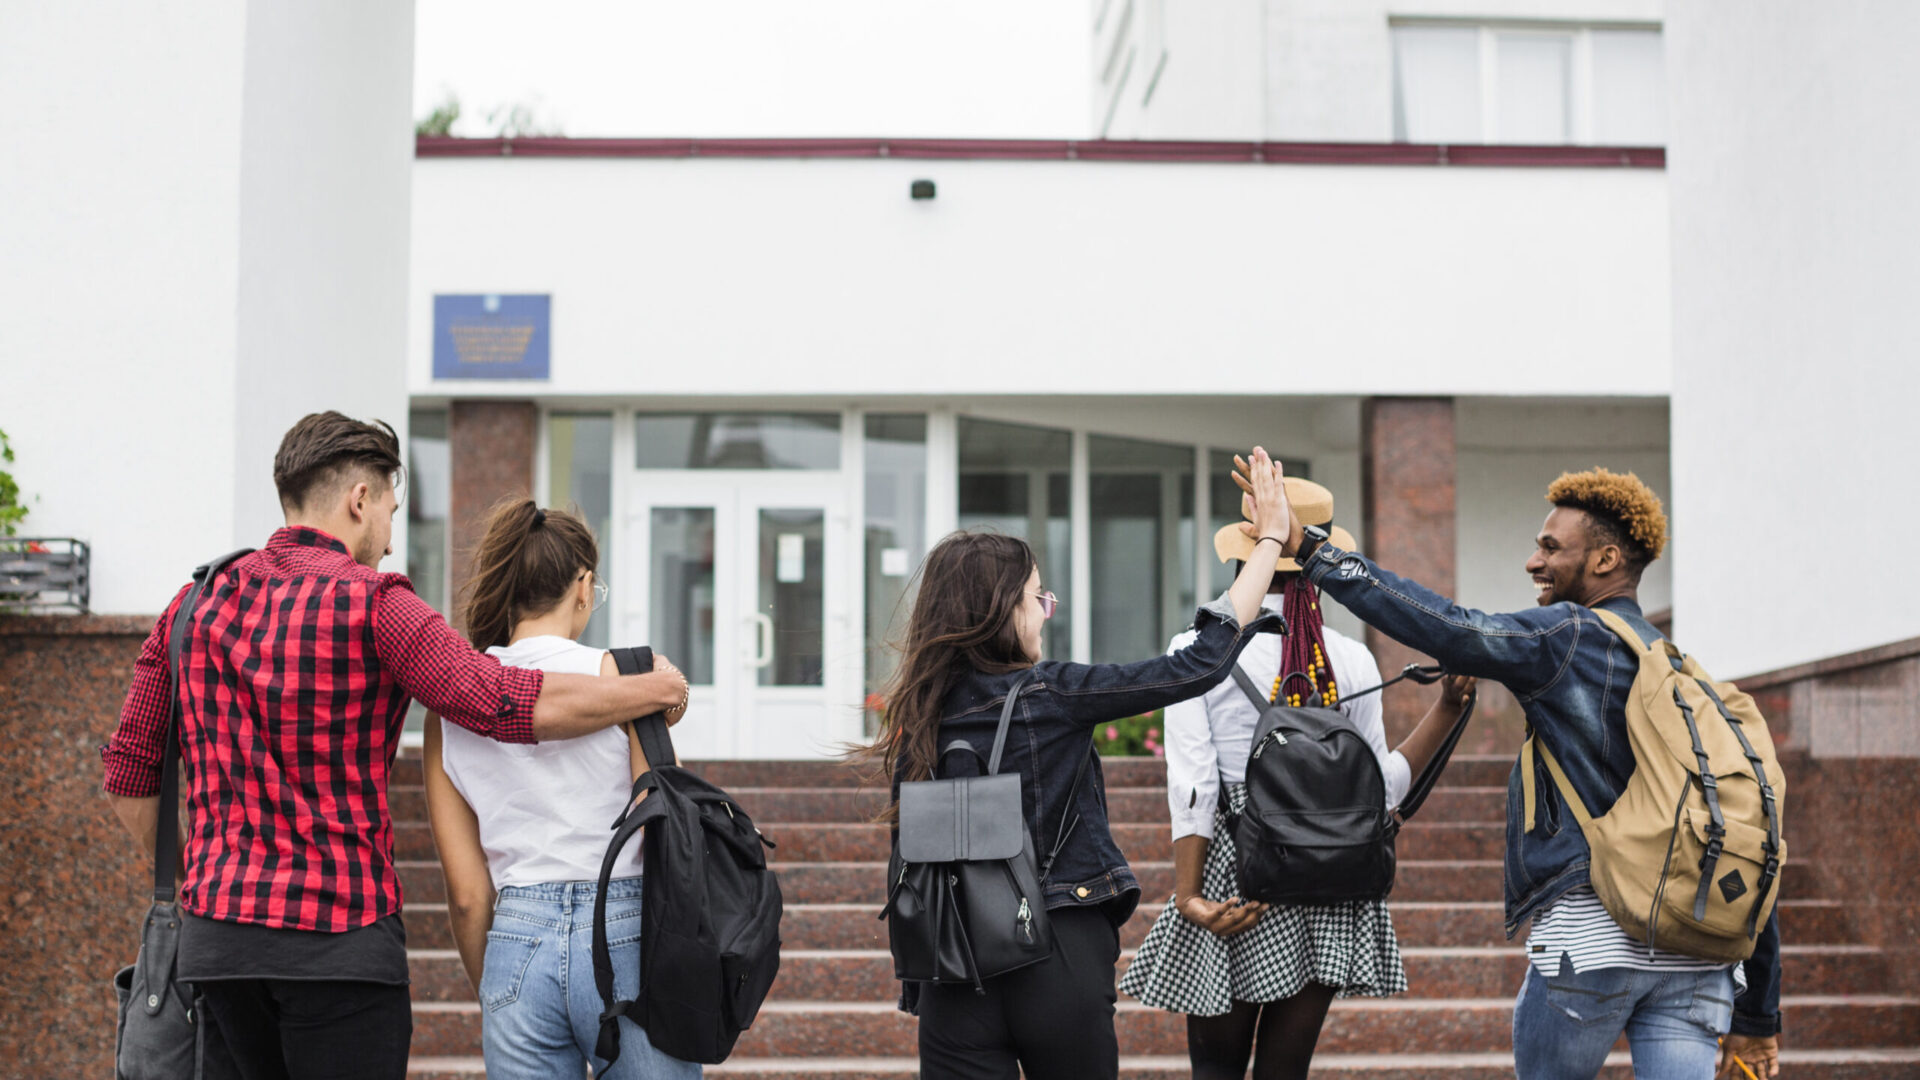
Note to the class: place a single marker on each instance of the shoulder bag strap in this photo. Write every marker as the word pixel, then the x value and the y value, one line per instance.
pixel 166 835
pixel 1006 720
pixel 655 742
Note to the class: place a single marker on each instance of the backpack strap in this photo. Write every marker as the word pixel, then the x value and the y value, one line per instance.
pixel 1622 630
pixel 1771 870
pixel 1567 794
pixel 607 1045
pixel 655 741
pixel 166 855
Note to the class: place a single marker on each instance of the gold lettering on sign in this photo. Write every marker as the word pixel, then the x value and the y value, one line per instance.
pixel 491 343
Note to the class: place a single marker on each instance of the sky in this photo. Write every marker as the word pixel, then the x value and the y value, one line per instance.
pixel 745 68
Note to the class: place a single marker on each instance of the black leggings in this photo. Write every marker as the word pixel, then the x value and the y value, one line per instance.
pixel 1054 1020
pixel 284 1029
pixel 1286 1030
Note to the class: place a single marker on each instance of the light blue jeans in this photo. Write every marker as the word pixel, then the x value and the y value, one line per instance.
pixel 1563 1025
pixel 541 1009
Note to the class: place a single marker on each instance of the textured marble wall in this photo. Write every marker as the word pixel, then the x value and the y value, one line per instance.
pixel 73 887
pixel 492 448
pixel 1407 497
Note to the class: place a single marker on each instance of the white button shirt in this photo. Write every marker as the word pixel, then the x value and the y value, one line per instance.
pixel 1209 737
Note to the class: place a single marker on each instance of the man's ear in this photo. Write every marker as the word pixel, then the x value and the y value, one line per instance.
pixel 359 500
pixel 1605 560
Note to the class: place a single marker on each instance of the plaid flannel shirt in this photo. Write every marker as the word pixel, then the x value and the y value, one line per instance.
pixel 299 664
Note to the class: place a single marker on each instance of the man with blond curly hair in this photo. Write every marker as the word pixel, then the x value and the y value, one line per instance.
pixel 1588 981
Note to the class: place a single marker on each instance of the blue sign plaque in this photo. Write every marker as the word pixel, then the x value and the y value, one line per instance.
pixel 492 336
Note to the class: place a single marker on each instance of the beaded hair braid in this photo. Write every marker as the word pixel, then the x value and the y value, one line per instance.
pixel 1303 649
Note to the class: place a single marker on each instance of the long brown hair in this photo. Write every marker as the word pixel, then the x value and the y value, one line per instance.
pixel 970 585
pixel 525 564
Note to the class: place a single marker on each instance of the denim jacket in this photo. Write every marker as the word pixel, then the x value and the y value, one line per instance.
pixel 1051 736
pixel 1571 676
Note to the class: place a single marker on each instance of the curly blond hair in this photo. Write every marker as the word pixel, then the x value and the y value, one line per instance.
pixel 1621 501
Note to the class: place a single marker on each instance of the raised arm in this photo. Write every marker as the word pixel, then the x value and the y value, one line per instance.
pixel 1096 692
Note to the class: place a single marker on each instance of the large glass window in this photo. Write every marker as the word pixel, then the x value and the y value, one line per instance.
pixel 580 477
pixel 1018 479
pixel 1463 82
pixel 737 440
pixel 1140 501
pixel 429 494
pixel 680 582
pixel 896 532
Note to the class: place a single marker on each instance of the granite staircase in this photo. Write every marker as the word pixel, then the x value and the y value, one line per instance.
pixel 831 1012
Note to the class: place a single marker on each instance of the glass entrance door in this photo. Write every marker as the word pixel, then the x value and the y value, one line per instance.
pixel 740 581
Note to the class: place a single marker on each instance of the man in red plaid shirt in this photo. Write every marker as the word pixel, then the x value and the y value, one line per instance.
pixel 299 661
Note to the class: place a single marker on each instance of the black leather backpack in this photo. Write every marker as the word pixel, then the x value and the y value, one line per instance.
pixel 709 915
pixel 964 899
pixel 1316 828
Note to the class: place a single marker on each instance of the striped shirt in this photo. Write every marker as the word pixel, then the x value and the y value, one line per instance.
pixel 298 665
pixel 1578 928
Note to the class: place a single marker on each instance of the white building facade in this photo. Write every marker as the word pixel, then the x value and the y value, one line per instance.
pixel 775 376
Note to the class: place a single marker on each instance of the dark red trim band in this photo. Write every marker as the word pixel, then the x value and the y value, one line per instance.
pixel 1271 153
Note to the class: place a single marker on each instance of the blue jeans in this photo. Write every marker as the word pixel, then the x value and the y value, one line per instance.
pixel 1563 1025
pixel 542 1011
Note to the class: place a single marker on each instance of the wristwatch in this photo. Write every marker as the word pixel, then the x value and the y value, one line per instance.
pixel 1312 536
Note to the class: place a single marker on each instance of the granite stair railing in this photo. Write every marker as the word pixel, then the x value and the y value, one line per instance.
pixel 831 1011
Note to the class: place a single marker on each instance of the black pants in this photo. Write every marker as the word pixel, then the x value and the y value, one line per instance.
pixel 285 1029
pixel 1054 1019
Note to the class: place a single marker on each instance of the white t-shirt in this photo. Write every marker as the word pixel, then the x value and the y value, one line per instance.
pixel 546 811
pixel 1209 737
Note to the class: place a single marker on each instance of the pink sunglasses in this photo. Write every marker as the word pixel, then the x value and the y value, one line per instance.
pixel 1047 603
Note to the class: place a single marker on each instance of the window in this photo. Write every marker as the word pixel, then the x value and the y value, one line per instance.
pixel 580 477
pixel 737 440
pixel 896 532
pixel 429 493
pixel 1533 83
pixel 1140 502
pixel 1018 479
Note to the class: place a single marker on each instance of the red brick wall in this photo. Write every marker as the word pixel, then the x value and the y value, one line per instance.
pixel 491 444
pixel 1407 503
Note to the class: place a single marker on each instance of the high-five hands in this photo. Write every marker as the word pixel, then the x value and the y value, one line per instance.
pixel 1224 918
pixel 1264 503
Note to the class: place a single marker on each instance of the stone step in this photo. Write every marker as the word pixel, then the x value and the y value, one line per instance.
pixel 1850 1064
pixel 834 907
pixel 855 975
pixel 1435 923
pixel 1465 770
pixel 1125 806
pixel 1418 842
pixel 814 1029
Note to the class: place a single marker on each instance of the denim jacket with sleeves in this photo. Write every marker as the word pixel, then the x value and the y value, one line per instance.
pixel 1571 676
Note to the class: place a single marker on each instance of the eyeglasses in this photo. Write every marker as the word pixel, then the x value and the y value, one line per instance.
pixel 1047 603
pixel 599 589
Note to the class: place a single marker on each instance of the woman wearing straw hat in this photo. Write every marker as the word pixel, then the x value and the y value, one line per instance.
pixel 1253 976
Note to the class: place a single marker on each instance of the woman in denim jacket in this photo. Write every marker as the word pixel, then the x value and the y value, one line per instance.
pixel 975 630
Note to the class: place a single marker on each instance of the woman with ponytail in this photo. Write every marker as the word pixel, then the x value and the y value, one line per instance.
pixel 521 830
pixel 974 636
pixel 1255 980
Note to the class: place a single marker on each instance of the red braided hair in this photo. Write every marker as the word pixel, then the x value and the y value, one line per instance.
pixel 1304 649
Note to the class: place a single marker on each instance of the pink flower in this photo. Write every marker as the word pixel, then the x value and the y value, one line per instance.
pixel 1112 733
pixel 1153 733
pixel 1159 751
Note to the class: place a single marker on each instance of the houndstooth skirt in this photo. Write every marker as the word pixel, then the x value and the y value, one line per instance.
pixel 1184 968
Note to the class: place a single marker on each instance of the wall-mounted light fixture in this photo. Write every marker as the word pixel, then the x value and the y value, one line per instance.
pixel 921 189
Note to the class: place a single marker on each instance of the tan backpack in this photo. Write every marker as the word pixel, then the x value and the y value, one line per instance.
pixel 1688 858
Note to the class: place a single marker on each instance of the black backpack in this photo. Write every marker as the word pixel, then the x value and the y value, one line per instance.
pixel 1316 828
pixel 710 912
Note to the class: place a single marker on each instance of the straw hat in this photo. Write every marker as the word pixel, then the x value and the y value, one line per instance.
pixel 1312 504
